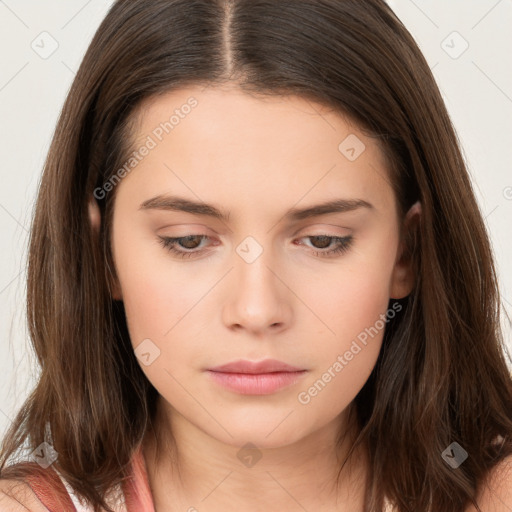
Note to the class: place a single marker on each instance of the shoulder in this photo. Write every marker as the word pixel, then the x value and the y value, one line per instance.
pixel 495 493
pixel 17 496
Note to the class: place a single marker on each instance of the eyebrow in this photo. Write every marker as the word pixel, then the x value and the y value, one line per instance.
pixel 180 204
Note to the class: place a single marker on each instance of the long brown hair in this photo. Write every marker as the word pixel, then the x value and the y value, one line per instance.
pixel 441 376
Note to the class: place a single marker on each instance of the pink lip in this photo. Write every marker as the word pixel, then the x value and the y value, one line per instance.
pixel 256 378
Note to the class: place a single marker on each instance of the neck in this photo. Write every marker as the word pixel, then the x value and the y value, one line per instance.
pixel 191 469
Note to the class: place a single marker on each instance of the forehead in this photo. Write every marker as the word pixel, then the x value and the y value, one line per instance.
pixel 249 119
pixel 227 144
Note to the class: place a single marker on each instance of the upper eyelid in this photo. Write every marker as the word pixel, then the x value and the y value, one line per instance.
pixel 327 231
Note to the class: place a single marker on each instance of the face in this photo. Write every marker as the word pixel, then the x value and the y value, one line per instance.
pixel 259 274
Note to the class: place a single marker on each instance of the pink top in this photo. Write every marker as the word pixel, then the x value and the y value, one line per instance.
pixel 133 496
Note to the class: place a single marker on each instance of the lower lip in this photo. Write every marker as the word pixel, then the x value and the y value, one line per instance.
pixel 256 384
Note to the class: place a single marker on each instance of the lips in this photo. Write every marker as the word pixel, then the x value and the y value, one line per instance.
pixel 256 378
pixel 250 367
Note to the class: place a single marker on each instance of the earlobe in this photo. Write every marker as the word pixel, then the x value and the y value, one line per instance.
pixel 94 215
pixel 116 289
pixel 95 220
pixel 403 278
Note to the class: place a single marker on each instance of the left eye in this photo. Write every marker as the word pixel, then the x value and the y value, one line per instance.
pixel 188 245
pixel 190 242
pixel 342 244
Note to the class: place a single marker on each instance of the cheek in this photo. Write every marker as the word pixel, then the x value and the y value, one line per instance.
pixel 354 331
pixel 344 360
pixel 354 296
pixel 352 306
pixel 161 309
pixel 156 296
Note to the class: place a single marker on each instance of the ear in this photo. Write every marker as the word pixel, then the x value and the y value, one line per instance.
pixel 403 277
pixel 95 220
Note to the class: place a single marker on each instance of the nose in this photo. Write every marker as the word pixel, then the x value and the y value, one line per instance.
pixel 258 299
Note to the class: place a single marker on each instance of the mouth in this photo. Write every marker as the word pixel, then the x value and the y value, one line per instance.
pixel 256 378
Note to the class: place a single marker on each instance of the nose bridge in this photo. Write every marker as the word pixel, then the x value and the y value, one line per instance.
pixel 252 267
pixel 256 298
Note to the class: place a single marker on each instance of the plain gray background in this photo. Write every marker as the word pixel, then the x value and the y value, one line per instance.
pixel 467 44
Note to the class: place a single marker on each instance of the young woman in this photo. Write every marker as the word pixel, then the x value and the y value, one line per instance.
pixel 258 276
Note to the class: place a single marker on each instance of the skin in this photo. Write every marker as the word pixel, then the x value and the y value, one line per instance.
pixel 256 158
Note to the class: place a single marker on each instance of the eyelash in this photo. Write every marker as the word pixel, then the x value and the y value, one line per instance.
pixel 344 244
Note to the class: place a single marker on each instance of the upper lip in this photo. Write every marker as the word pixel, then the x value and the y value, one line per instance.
pixel 255 367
